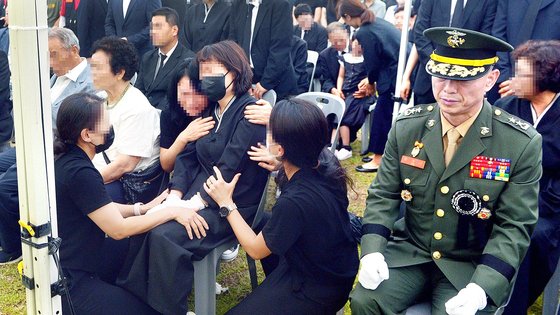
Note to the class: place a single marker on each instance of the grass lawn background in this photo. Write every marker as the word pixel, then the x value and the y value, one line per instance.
pixel 233 275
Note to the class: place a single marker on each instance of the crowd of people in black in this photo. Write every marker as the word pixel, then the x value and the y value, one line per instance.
pixel 166 133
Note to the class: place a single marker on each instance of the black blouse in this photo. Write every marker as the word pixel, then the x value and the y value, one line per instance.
pixel 310 229
pixel 200 30
pixel 79 192
pixel 226 147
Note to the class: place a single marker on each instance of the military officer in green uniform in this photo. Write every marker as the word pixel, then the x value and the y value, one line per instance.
pixel 468 174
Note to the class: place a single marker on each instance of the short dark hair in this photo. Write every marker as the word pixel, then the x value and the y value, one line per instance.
pixel 302 8
pixel 122 55
pixel 186 69
pixel 233 58
pixel 170 14
pixel 77 112
pixel 545 56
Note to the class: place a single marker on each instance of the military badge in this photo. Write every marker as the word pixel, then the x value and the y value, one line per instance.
pixel 406 195
pixel 484 130
pixel 416 150
pixel 484 214
pixel 490 168
pixel 466 202
pixel 431 123
pixel 456 39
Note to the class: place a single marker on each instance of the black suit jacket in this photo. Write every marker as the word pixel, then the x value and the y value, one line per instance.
pixel 508 23
pixel 272 42
pixel 478 16
pixel 196 33
pixel 135 26
pixel 299 57
pixel 380 42
pixel 316 37
pixel 327 69
pixel 156 89
pixel 91 18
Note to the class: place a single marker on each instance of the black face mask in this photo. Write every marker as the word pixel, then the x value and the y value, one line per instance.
pixel 214 87
pixel 109 138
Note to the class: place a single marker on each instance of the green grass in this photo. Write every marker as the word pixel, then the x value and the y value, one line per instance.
pixel 233 275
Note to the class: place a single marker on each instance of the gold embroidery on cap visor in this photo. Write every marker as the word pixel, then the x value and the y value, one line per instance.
pixel 454 71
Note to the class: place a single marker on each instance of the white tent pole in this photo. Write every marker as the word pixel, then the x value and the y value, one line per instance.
pixel 402 57
pixel 32 117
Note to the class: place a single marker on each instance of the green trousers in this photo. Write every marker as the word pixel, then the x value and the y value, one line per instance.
pixel 405 287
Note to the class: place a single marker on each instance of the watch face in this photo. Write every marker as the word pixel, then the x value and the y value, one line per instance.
pixel 224 211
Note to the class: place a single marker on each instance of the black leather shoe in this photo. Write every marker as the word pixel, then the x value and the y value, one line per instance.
pixel 363 169
pixel 366 159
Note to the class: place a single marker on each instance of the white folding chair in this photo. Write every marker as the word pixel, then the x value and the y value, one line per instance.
pixel 329 104
pixel 270 96
pixel 312 57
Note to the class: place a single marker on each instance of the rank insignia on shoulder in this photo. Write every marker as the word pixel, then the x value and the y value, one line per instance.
pixel 466 202
pixel 413 110
pixel 406 195
pixel 490 168
pixel 520 123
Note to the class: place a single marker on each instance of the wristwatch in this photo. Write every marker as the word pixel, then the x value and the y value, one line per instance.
pixel 227 209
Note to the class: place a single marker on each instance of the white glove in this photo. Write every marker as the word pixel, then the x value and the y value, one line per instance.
pixel 374 271
pixel 171 201
pixel 467 302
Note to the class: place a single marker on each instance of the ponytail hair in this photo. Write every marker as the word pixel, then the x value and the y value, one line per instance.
pixel 354 8
pixel 77 112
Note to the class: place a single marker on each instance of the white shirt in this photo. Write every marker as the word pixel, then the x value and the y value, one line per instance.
pixel 453 4
pixel 537 120
pixel 62 82
pixel 254 13
pixel 136 126
pixel 169 53
pixel 125 5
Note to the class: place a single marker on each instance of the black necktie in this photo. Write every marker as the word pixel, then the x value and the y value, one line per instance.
pixel 247 31
pixel 457 19
pixel 160 64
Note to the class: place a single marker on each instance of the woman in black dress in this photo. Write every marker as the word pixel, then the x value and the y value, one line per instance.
pixel 206 23
pixel 309 227
pixel 161 271
pixel 86 213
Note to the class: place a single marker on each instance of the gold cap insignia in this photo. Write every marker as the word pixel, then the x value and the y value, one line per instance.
pixel 455 40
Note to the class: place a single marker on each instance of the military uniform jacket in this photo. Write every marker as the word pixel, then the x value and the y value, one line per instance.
pixel 489 250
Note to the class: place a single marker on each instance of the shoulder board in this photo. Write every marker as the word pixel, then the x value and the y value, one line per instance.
pixel 417 111
pixel 513 121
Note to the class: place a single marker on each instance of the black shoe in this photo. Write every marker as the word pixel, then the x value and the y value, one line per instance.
pixel 366 159
pixel 9 258
pixel 363 169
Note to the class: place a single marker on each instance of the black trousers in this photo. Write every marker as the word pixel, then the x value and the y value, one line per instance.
pixel 92 296
pixel 9 203
pixel 280 294
pixel 159 266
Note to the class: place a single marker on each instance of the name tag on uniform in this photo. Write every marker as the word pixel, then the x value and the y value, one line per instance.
pixel 414 162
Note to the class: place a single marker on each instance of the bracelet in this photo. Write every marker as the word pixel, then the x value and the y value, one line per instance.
pixel 136 208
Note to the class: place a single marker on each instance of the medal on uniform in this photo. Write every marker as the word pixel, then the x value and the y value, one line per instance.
pixel 466 202
pixel 406 195
pixel 416 150
pixel 484 214
pixel 485 167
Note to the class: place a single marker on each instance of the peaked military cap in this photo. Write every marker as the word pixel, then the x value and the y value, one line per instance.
pixel 462 54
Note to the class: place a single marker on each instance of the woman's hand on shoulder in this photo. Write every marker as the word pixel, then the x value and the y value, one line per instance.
pixel 220 190
pixel 259 113
pixel 197 129
pixel 265 159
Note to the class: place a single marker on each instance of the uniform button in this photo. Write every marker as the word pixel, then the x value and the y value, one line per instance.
pixel 438 236
pixel 430 108
pixel 486 198
pixel 436 255
pixel 498 112
pixel 407 181
pixel 440 213
pixel 444 189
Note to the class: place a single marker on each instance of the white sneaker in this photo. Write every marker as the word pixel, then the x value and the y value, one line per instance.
pixel 220 289
pixel 343 154
pixel 230 254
